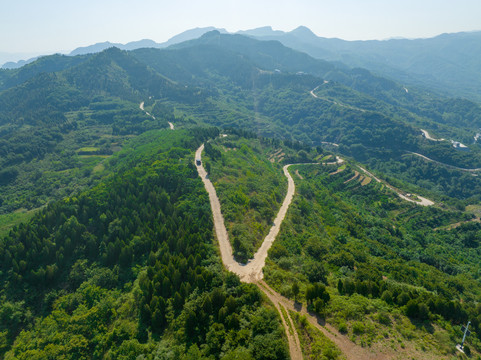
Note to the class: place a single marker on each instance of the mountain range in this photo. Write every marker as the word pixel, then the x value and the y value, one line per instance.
pixel 383 117
pixel 98 47
pixel 447 64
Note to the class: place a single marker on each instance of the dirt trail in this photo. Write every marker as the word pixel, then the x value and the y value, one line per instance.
pixel 348 348
pixel 141 106
pixel 292 337
pixel 422 200
pixel 356 174
pixel 252 271
pixel 443 164
pixel 334 102
pixel 427 136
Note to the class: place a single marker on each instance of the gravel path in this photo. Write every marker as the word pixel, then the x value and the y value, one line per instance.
pixel 335 102
pixel 443 164
pixel 252 271
pixel 429 137
pixel 141 106
pixel 349 349
pixel 422 200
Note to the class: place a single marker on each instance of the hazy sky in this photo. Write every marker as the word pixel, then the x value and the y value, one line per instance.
pixel 61 25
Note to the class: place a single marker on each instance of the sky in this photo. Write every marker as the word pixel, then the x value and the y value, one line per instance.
pixel 47 26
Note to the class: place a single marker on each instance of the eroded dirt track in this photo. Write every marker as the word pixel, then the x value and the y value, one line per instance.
pixel 252 271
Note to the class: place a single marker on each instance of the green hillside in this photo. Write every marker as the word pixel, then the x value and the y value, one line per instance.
pixel 397 274
pixel 391 275
pixel 129 268
pixel 107 245
pixel 447 64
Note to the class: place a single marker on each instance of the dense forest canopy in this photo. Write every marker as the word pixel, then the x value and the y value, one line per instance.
pixel 129 268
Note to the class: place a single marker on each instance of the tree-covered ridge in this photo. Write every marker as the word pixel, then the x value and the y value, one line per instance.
pixel 382 261
pixel 60 125
pixel 130 268
pixel 250 189
pixel 246 171
pixel 280 105
pixel 223 81
pixel 372 118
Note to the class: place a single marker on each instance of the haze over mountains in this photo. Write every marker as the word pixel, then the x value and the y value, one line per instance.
pixel 388 115
pixel 448 64
pixel 91 49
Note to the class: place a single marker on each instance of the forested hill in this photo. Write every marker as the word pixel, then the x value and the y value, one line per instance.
pixel 222 80
pixel 447 64
pixel 370 117
pixel 129 268
pixel 61 123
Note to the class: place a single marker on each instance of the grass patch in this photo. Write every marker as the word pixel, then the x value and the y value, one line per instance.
pixel 250 189
pixel 8 221
pixel 88 149
pixel 314 344
pixel 286 318
pixel 249 180
pixel 100 167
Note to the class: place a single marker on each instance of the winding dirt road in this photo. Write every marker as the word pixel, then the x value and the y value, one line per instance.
pixel 252 271
pixel 443 164
pixel 335 102
pixel 141 106
pixel 427 136
pixel 422 200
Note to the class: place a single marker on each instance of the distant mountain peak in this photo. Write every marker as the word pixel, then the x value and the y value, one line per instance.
pixel 95 48
pixel 261 31
pixel 267 29
pixel 303 31
pixel 211 33
pixel 193 34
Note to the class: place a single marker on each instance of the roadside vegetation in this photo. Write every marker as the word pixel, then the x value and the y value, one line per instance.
pixel 373 265
pixel 315 345
pixel 248 177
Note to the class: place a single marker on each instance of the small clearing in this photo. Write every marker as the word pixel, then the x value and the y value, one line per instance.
pixel 366 181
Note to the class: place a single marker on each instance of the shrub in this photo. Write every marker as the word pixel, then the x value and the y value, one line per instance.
pixel 358 328
pixel 387 296
pixel 383 318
